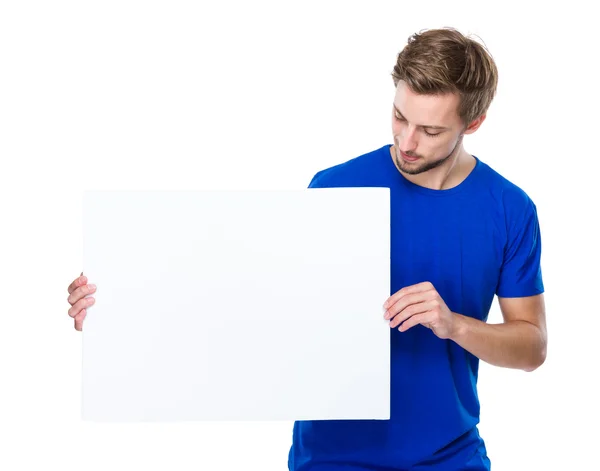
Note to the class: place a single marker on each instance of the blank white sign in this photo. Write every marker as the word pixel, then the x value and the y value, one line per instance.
pixel 237 305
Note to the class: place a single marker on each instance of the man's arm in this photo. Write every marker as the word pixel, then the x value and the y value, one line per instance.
pixel 520 342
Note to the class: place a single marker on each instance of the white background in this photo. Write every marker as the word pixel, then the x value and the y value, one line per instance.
pixel 175 95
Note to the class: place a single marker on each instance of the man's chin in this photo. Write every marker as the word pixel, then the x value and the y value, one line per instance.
pixel 412 168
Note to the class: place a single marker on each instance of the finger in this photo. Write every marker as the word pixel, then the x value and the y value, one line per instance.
pixel 80 293
pixel 410 311
pixel 427 306
pixel 80 305
pixel 414 320
pixel 77 282
pixel 79 320
pixel 419 287
pixel 405 301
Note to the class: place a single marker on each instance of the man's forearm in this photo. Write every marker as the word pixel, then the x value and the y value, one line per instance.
pixel 513 344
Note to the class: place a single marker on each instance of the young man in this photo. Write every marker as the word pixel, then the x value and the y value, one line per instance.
pixel 460 234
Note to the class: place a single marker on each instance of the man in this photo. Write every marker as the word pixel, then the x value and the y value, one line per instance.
pixel 460 234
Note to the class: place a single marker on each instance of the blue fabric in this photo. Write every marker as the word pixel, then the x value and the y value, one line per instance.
pixel 476 240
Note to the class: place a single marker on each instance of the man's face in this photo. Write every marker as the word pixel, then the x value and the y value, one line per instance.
pixel 426 128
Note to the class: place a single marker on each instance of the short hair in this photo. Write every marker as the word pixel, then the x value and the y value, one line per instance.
pixel 440 61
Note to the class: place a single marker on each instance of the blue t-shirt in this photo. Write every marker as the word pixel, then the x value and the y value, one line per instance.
pixel 476 240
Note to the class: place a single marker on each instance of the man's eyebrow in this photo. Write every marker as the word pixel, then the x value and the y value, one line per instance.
pixel 441 128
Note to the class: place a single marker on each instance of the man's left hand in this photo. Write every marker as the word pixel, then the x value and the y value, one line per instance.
pixel 420 304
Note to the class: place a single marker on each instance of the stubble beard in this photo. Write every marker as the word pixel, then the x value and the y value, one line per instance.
pixel 415 168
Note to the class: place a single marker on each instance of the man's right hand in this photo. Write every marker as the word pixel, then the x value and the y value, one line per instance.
pixel 78 289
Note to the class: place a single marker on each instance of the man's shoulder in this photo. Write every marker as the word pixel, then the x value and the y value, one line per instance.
pixel 349 172
pixel 512 197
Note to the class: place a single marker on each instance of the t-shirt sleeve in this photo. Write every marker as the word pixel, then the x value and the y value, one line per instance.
pixel 521 273
pixel 316 181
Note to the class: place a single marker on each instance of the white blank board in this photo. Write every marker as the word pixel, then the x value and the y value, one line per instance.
pixel 237 305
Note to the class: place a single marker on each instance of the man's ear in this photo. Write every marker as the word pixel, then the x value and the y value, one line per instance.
pixel 474 125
